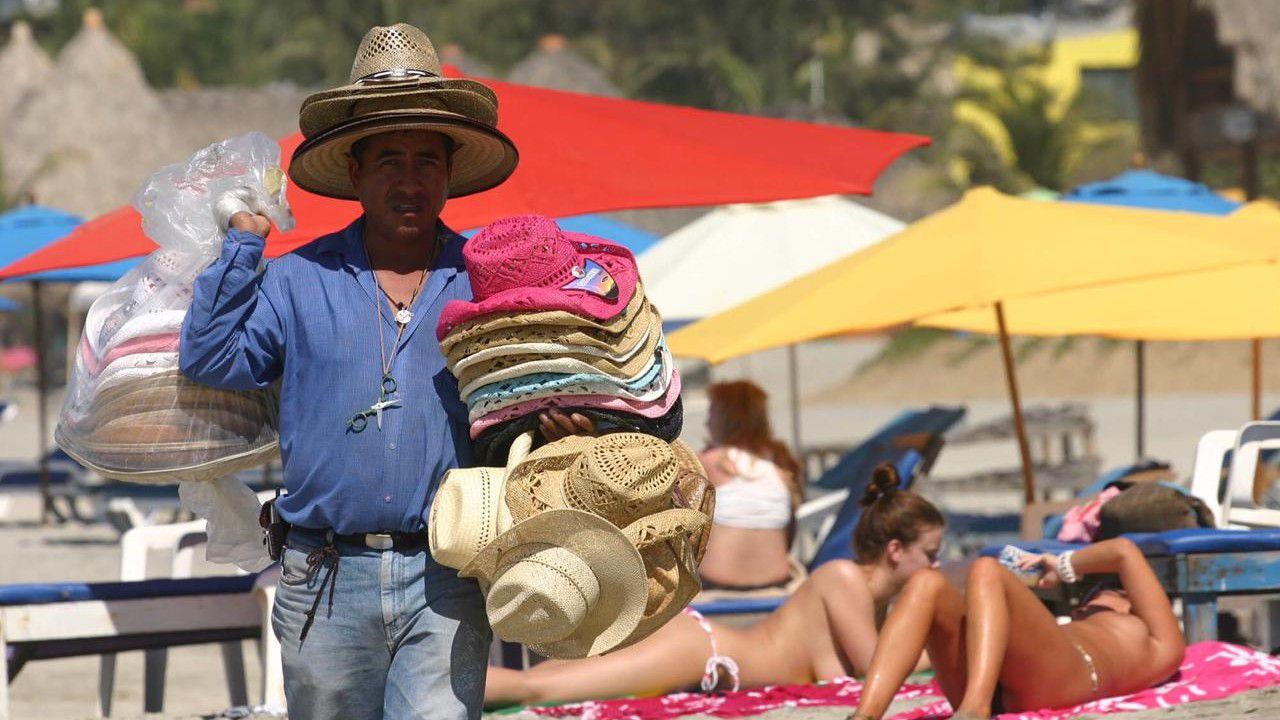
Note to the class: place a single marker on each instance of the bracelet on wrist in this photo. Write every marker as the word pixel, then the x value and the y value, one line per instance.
pixel 1066 570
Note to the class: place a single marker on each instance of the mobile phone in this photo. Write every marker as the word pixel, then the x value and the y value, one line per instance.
pixel 1011 557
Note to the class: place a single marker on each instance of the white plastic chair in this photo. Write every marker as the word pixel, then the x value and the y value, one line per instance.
pixel 814 519
pixel 1239 507
pixel 1206 478
pixel 181 541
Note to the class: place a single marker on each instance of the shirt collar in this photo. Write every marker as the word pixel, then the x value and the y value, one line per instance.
pixel 348 244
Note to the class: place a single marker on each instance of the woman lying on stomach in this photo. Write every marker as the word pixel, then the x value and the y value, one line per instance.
pixel 826 629
pixel 996 648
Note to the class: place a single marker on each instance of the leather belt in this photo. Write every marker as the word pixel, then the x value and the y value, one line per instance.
pixel 386 540
pixel 375 540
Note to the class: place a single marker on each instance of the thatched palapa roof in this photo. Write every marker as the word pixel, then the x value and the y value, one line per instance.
pixel 554 65
pixel 93 130
pixel 24 66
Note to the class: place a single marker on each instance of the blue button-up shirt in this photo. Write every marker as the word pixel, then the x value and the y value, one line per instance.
pixel 311 322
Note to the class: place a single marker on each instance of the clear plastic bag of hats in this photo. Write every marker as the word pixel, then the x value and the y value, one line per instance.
pixel 129 412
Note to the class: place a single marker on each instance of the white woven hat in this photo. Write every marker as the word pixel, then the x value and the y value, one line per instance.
pixel 468 511
pixel 567 583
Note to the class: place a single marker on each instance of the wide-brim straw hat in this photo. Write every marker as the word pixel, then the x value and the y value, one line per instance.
pixel 527 263
pixel 671 565
pixel 545 341
pixel 467 513
pixel 567 583
pixel 164 428
pixel 651 409
pixel 638 360
pixel 622 477
pixel 491 445
pixel 505 334
pixel 545 326
pixel 396 83
pixel 694 491
pixel 642 375
pixel 651 387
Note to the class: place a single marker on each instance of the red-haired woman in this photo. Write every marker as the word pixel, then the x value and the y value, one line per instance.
pixel 827 628
pixel 757 482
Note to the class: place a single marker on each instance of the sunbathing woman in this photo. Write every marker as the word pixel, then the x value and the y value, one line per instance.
pixel 997 649
pixel 757 482
pixel 826 629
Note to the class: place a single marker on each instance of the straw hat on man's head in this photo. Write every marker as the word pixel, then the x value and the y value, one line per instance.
pixel 397 84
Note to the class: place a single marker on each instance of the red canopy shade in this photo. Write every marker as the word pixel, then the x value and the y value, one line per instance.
pixel 580 154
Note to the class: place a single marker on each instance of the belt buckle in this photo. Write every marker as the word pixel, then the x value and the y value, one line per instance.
pixel 379 541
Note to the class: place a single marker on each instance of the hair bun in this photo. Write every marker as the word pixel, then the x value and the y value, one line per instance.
pixel 884 482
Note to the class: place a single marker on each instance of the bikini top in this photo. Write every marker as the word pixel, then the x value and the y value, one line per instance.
pixel 757 497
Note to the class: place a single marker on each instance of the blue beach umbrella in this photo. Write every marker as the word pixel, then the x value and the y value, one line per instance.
pixel 630 237
pixel 30 228
pixel 1152 191
pixel 23 231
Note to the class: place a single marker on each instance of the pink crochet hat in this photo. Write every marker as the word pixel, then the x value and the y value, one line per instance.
pixel 528 264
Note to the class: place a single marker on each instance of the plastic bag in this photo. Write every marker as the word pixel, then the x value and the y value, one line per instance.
pixel 231 510
pixel 129 412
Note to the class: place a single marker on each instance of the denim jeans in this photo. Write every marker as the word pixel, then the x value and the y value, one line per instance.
pixel 404 638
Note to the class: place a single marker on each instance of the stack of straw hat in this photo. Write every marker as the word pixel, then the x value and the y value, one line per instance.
pixel 131 414
pixel 583 546
pixel 559 320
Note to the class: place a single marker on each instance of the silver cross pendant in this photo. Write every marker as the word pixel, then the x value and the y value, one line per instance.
pixel 377 408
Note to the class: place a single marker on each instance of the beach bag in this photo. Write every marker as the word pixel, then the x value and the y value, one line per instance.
pixel 1151 507
pixel 129 412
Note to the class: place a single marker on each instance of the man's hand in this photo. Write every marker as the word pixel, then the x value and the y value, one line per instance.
pixel 248 222
pixel 555 425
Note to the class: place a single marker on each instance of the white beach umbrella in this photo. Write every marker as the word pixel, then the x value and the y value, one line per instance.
pixel 737 252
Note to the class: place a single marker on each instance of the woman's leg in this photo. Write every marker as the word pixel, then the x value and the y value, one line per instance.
pixel 1014 640
pixel 671 659
pixel 929 613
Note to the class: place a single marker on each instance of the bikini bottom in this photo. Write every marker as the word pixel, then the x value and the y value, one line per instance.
pixel 711 673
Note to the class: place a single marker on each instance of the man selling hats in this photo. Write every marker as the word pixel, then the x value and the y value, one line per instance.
pixel 370 625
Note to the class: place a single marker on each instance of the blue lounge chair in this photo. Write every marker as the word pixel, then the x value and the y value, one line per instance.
pixel 920 430
pixel 55 620
pixel 1199 565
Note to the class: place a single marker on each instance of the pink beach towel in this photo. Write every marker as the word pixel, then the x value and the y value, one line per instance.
pixel 1209 671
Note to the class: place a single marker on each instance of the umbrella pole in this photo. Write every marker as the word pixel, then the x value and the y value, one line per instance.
pixel 1257 379
pixel 1024 450
pixel 795 399
pixel 1140 399
pixel 42 395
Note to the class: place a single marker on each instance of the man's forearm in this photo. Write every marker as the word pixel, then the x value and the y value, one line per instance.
pixel 230 333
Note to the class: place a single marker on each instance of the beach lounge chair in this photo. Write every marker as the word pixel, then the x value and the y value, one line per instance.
pixel 23 478
pixel 1199 565
pixel 54 620
pixel 913 431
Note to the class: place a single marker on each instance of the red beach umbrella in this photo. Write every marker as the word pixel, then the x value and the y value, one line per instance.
pixel 581 154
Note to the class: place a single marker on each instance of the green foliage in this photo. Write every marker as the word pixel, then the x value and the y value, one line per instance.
pixel 724 54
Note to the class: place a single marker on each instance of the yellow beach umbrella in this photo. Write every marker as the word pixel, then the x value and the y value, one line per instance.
pixel 1234 303
pixel 986 250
